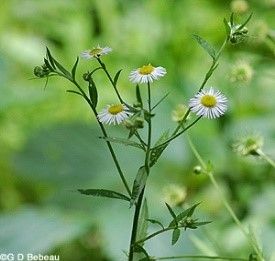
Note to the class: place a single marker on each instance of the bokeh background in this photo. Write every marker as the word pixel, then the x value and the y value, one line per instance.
pixel 49 144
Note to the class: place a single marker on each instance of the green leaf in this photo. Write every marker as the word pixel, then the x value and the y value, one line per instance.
pixel 142 222
pixel 140 249
pixel 231 19
pixel 172 213
pixel 138 95
pixel 160 101
pixel 227 27
pixel 116 77
pixel 139 184
pixel 93 93
pixel 157 151
pixel 245 22
pixel 125 142
pixel 49 56
pixel 74 68
pixel 103 193
pixel 186 213
pixel 75 92
pixel 48 64
pixel 62 69
pixel 153 221
pixel 175 236
pixel 206 46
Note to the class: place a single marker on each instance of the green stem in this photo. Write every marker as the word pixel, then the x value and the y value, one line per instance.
pixel 266 158
pixel 200 257
pixel 224 201
pixel 206 78
pixel 105 135
pixel 147 167
pixel 110 79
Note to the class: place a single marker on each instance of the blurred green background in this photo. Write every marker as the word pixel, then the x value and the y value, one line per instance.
pixel 49 140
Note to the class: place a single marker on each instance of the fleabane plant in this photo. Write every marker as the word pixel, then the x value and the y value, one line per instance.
pixel 207 103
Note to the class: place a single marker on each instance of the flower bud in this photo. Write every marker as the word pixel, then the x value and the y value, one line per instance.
pixel 41 71
pixel 179 112
pixel 139 122
pixel 249 145
pixel 239 6
pixel 197 170
pixel 238 35
pixel 174 194
pixel 241 72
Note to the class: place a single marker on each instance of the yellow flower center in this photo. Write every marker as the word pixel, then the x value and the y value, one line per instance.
pixel 96 51
pixel 208 101
pixel 115 109
pixel 146 69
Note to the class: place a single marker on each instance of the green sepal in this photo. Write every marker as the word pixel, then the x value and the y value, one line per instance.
pixel 139 184
pixel 175 236
pixel 205 45
pixel 103 193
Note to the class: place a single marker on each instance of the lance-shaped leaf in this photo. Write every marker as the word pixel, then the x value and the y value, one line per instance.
pixel 245 22
pixel 139 184
pixel 62 69
pixel 49 56
pixel 186 213
pixel 49 66
pixel 103 193
pixel 157 151
pixel 93 93
pixel 142 222
pixel 125 142
pixel 197 224
pixel 75 92
pixel 172 214
pixel 116 77
pixel 175 236
pixel 140 249
pixel 206 46
pixel 154 221
pixel 138 95
pixel 231 19
pixel 227 27
pixel 74 68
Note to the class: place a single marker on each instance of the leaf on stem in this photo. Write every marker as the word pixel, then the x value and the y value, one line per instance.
pixel 75 92
pixel 139 184
pixel 140 249
pixel 227 27
pixel 231 19
pixel 116 77
pixel 206 46
pixel 49 56
pixel 103 193
pixel 172 214
pixel 142 222
pixel 175 236
pixel 49 66
pixel 74 68
pixel 186 213
pixel 245 22
pixel 138 95
pixel 153 221
pixel 157 151
pixel 93 93
pixel 125 142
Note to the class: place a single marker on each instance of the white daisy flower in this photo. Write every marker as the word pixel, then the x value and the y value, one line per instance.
pixel 147 73
pixel 209 103
pixel 95 52
pixel 114 114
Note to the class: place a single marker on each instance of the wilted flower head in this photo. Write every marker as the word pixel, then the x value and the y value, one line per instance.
pixel 147 73
pixel 95 52
pixel 249 145
pixel 239 6
pixel 114 114
pixel 179 112
pixel 241 72
pixel 174 194
pixel 209 103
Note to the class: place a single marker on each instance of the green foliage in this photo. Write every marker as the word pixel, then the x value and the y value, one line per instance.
pixel 175 236
pixel 206 46
pixel 125 142
pixel 103 193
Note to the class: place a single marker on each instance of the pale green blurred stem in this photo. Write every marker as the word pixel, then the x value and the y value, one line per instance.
pixel 200 257
pixel 225 202
pixel 147 167
pixel 266 158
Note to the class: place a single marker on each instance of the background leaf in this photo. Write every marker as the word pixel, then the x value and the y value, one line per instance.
pixel 103 193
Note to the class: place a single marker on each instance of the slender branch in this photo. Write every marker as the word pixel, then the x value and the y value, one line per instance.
pixel 147 167
pixel 105 135
pixel 224 200
pixel 200 257
pixel 266 158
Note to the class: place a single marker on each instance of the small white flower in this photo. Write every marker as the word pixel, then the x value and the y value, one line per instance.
pixel 114 114
pixel 209 103
pixel 95 52
pixel 146 73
